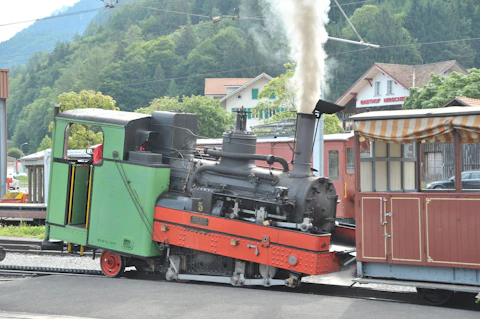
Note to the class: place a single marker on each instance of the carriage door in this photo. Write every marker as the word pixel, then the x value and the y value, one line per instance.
pixel 373 232
pixel 403 216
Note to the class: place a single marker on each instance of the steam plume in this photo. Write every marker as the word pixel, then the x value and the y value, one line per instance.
pixel 304 24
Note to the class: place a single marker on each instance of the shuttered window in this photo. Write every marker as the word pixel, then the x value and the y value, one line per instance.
pixel 254 94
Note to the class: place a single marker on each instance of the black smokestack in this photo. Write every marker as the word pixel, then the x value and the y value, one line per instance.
pixel 304 137
pixel 303 145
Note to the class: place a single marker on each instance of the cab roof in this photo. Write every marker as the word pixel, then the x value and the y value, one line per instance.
pixel 102 116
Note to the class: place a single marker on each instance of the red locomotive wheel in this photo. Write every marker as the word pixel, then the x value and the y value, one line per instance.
pixel 112 264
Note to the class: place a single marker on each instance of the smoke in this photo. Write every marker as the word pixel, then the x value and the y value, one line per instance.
pixel 303 22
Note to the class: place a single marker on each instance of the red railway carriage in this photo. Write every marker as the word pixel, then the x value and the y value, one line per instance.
pixel 409 235
pixel 338 159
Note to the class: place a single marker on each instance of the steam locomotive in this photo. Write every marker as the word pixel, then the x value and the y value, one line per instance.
pixel 154 202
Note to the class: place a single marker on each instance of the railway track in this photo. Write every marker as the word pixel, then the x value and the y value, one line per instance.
pixel 29 246
pixel 32 246
pixel 463 301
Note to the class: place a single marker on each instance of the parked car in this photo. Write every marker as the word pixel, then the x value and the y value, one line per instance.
pixel 470 180
pixel 14 183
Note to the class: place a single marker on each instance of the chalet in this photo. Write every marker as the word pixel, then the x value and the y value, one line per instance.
pixel 234 93
pixel 385 86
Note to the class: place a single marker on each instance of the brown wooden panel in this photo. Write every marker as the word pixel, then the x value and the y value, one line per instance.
pixel 372 231
pixel 452 231
pixel 406 232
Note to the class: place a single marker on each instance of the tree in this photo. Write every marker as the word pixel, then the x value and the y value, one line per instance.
pixel 134 34
pixel 46 143
pixel 284 91
pixel 172 89
pixel 83 136
pixel 212 119
pixel 85 99
pixel 15 152
pixel 442 89
pixel 187 40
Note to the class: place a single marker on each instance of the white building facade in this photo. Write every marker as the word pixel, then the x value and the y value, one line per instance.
pixel 237 93
pixel 386 86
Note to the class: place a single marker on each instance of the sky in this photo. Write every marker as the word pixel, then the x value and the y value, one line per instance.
pixel 22 10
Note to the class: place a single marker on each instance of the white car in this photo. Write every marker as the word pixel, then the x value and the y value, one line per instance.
pixel 15 183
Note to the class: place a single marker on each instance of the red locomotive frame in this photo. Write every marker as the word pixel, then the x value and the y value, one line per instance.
pixel 291 250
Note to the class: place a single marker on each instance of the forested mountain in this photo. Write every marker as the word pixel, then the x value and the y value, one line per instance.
pixel 145 49
pixel 44 34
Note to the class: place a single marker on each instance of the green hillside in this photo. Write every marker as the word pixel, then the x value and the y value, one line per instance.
pixel 44 34
pixel 145 49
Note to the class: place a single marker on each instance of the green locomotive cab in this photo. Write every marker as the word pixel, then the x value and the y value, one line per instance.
pixel 108 203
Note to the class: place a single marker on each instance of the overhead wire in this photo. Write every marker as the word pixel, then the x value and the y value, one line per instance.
pixel 406 45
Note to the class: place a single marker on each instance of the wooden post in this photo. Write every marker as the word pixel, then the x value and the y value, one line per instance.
pixel 457 146
pixel 357 162
pixel 418 154
pixel 42 185
pixel 35 184
pixel 30 182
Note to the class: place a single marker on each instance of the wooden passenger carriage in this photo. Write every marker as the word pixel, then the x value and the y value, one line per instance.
pixel 407 235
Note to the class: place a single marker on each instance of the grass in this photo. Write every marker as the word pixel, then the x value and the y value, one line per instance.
pixel 23 230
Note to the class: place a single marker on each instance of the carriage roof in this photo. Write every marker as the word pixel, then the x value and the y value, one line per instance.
pixel 425 125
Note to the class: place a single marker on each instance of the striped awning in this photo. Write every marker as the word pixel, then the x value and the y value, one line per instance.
pixel 428 129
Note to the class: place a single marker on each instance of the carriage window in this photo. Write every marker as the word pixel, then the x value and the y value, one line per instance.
pixel 365 149
pixel 333 165
pixel 350 161
pixel 392 168
pixel 409 150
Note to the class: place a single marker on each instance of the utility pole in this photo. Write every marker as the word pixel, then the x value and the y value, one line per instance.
pixel 3 131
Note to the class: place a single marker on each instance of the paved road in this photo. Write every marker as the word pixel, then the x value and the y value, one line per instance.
pixel 101 297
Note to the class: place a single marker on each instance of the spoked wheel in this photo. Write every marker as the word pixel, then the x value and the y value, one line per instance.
pixel 112 264
pixel 435 297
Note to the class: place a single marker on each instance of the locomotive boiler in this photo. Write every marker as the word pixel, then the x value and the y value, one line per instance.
pixel 157 203
pixel 235 188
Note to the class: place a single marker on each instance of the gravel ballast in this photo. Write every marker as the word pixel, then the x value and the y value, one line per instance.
pixel 64 261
